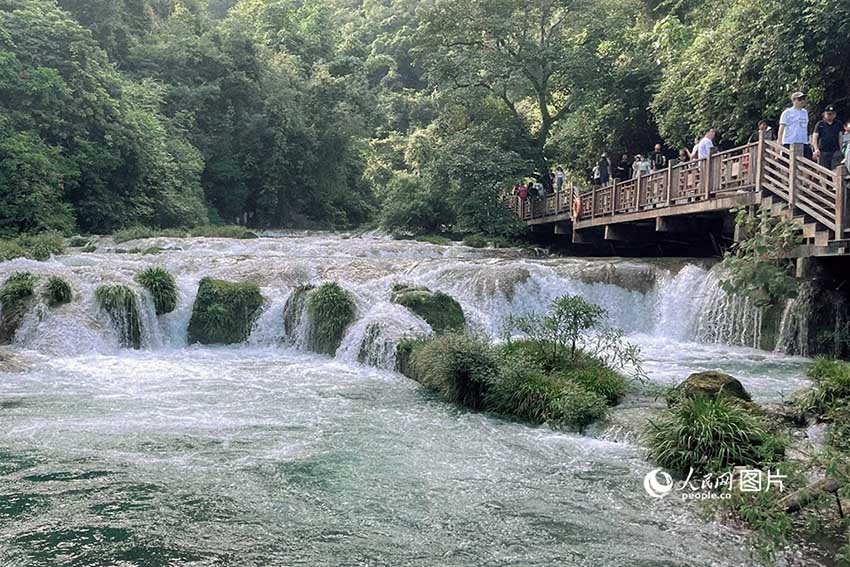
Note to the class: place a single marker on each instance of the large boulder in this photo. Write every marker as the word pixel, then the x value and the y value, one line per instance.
pixel 224 312
pixel 711 384
pixel 441 311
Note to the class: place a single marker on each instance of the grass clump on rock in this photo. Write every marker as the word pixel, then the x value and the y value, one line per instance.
pixel 832 386
pixel 526 392
pixel 710 435
pixel 458 367
pixel 441 311
pixel 57 292
pixel 162 288
pixel 224 312
pixel 119 303
pixel 331 310
pixel 15 298
pixel 33 246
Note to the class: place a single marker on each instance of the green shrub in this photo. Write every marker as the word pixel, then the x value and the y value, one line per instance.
pixel 119 303
pixel 710 435
pixel 162 288
pixel 832 385
pixel 331 309
pixel 594 376
pixel 294 308
pixel 10 249
pixel 404 352
pixel 57 292
pixel 589 372
pixel 78 242
pixel 224 312
pixel 476 241
pixel 439 310
pixel 33 246
pixel 524 391
pixel 88 249
pixel 460 368
pixel 15 295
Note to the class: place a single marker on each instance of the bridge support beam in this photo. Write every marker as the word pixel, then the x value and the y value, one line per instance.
pixel 620 232
pixel 584 237
pixel 563 228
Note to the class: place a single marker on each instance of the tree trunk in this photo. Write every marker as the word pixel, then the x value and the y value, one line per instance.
pixel 798 500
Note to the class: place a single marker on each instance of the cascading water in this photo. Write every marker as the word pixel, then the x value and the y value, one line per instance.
pixel 266 454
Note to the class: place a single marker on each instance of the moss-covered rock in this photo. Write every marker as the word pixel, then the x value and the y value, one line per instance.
pixel 119 303
pixel 331 310
pixel 439 310
pixel 162 288
pixel 404 352
pixel 712 385
pixel 224 312
pixel 16 295
pixel 57 292
pixel 293 310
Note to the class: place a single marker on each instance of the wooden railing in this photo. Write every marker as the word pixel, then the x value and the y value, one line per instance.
pixel 759 166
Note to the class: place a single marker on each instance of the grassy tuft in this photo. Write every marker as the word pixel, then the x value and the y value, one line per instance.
pixel 78 242
pixel 331 310
pixel 162 288
pixel 33 246
pixel 710 435
pixel 15 294
pixel 460 368
pixel 832 385
pixel 57 292
pixel 224 312
pixel 526 392
pixel 119 303
pixel 11 249
pixel 434 239
pixel 439 310
pixel 223 231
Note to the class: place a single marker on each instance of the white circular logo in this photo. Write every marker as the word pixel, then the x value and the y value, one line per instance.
pixel 657 483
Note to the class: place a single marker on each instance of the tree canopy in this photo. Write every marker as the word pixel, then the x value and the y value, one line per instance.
pixel 333 113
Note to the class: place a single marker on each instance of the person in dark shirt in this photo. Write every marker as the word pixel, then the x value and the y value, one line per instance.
pixel 623 170
pixel 604 167
pixel 657 159
pixel 763 126
pixel 826 139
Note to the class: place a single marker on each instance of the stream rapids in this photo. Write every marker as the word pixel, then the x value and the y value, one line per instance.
pixel 266 455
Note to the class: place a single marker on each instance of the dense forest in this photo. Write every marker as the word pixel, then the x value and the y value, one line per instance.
pixel 337 113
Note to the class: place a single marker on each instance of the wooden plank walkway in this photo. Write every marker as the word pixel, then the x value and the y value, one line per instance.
pixel 762 173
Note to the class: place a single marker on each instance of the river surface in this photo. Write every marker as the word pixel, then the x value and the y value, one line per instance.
pixel 265 455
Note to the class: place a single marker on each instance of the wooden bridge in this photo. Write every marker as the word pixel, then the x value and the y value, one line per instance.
pixel 679 198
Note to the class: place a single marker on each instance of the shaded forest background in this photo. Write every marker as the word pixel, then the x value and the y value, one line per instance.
pixel 338 113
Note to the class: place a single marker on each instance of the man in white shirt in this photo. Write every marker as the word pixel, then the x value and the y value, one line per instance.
pixel 794 124
pixel 706 144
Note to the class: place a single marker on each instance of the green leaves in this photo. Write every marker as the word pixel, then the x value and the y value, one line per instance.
pixel 758 266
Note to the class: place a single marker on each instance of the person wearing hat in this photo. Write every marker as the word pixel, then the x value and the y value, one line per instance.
pixel 826 139
pixel 794 124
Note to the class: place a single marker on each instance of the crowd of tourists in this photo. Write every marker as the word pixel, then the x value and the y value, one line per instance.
pixel 828 144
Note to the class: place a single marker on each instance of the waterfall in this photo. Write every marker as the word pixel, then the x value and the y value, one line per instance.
pixel 794 325
pixel 669 300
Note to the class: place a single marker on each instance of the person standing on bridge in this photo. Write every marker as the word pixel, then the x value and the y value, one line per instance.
pixel 706 145
pixel 559 178
pixel 763 126
pixel 657 158
pixel 604 169
pixel 794 124
pixel 826 139
pixel 624 169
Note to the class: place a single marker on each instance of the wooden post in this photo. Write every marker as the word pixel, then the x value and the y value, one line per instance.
pixel 796 149
pixel 638 186
pixel 669 184
pixel 840 202
pixel 706 177
pixel 759 165
pixel 614 198
pixel 593 202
